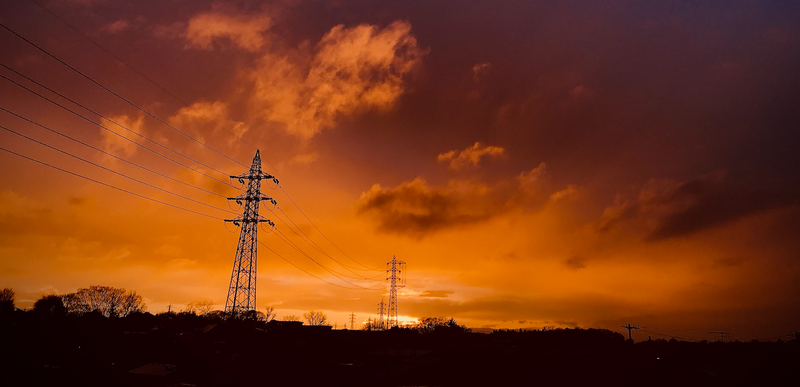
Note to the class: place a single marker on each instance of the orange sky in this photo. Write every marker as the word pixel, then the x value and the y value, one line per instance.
pixel 564 165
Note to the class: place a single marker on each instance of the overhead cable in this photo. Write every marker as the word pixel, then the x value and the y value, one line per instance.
pixel 142 75
pixel 111 131
pixel 113 171
pixel 117 157
pixel 118 95
pixel 103 117
pixel 109 185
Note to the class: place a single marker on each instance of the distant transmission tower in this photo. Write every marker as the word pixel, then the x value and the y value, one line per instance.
pixel 352 321
pixel 381 313
pixel 242 289
pixel 396 279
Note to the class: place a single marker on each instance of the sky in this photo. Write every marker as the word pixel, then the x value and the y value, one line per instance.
pixel 564 164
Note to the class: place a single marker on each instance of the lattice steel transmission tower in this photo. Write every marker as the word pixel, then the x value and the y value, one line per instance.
pixel 242 289
pixel 397 279
pixel 381 313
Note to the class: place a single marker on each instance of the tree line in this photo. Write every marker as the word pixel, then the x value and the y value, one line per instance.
pixel 105 300
pixel 117 302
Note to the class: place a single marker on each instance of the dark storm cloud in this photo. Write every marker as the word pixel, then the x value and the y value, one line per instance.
pixel 576 262
pixel 715 205
pixel 680 208
pixel 415 208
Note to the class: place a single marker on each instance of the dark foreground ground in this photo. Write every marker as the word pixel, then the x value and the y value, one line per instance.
pixel 185 350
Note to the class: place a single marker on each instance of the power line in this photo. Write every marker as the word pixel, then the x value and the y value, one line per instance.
pixel 107 119
pixel 85 118
pixel 645 330
pixel 118 95
pixel 109 185
pixel 144 76
pixel 158 201
pixel 163 122
pixel 323 234
pixel 115 133
pixel 308 240
pixel 309 273
pixel 117 157
pixel 113 171
pixel 336 274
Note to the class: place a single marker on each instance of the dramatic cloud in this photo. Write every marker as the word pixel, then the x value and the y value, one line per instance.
pixel 415 208
pixel 202 118
pixel 576 262
pixel 351 70
pixel 471 155
pixel 246 32
pixel 568 192
pixel 668 208
pixel 590 197
pixel 121 129
pixel 533 180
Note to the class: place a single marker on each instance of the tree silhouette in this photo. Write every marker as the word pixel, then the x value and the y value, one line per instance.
pixel 270 314
pixel 315 318
pixel 7 300
pixel 439 324
pixel 200 308
pixel 50 304
pixel 106 300
pixel 290 317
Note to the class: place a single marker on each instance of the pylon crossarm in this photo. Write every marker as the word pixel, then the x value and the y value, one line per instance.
pixel 254 176
pixel 246 196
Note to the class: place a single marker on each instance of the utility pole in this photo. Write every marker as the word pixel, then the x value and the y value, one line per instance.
pixel 242 288
pixel 381 311
pixel 396 280
pixel 629 327
pixel 352 321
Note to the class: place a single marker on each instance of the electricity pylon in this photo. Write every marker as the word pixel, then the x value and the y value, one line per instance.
pixel 397 279
pixel 352 321
pixel 242 288
pixel 381 312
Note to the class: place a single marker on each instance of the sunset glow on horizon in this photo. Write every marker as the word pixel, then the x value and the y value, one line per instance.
pixel 534 163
